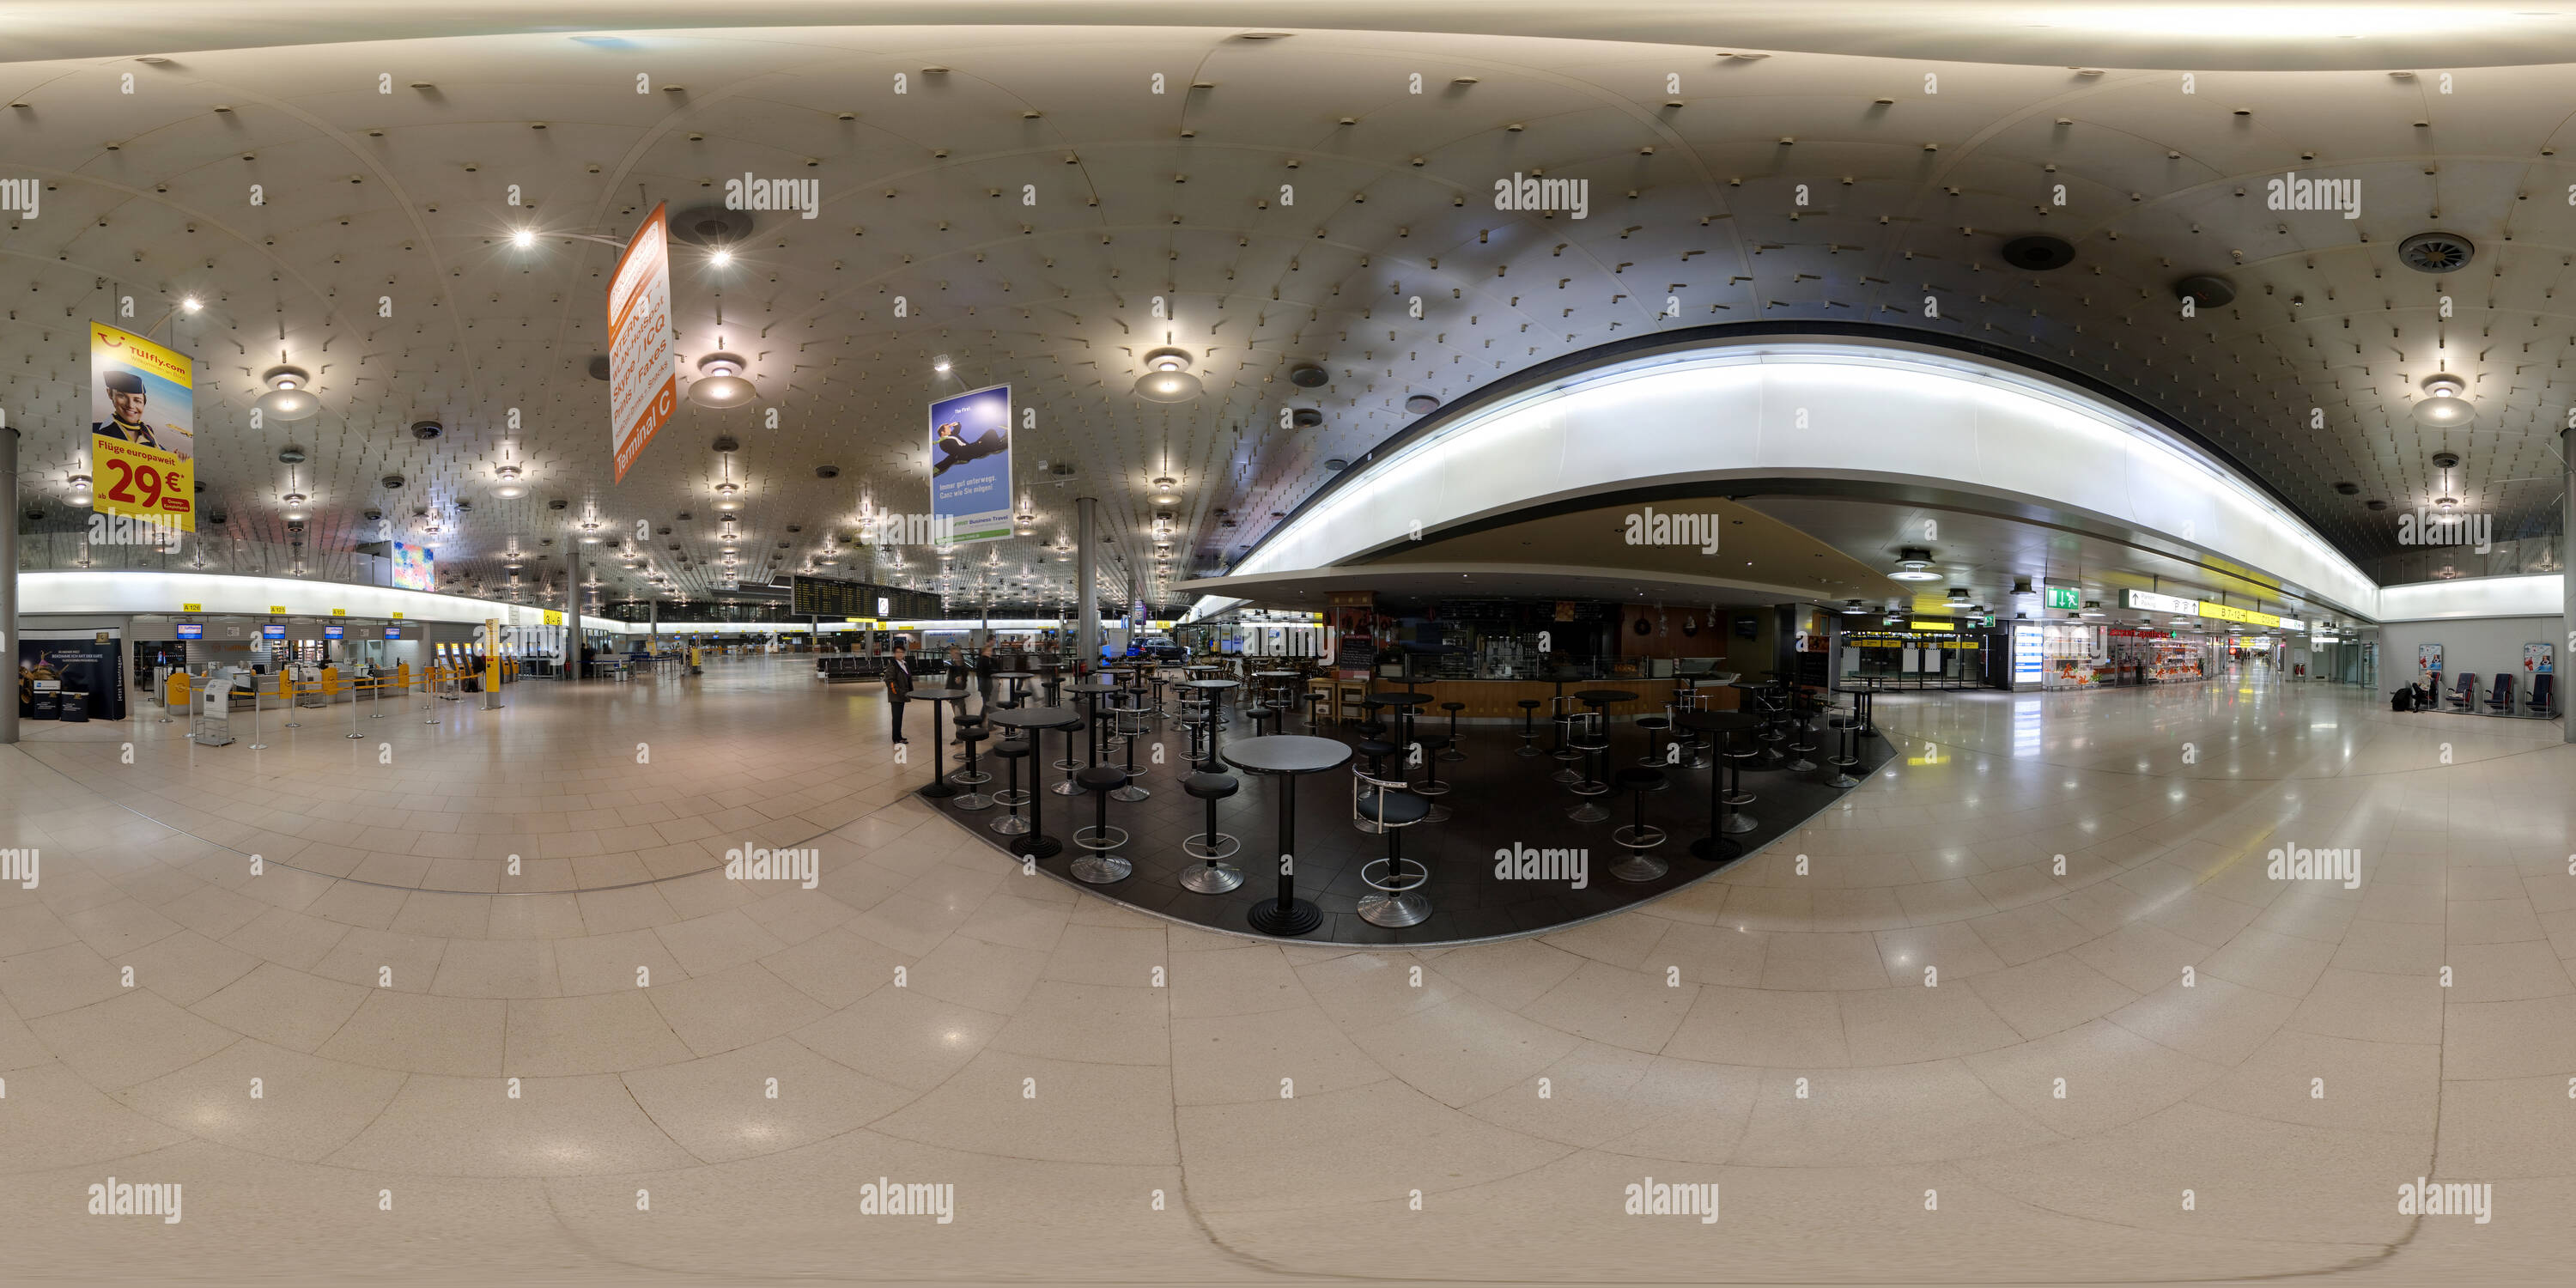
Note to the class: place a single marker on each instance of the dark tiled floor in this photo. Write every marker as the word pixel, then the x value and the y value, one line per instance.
pixel 1499 799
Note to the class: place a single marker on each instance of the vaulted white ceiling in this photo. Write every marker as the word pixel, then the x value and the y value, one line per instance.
pixel 1032 201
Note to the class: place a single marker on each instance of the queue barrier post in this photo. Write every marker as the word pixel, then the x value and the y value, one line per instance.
pixel 255 743
pixel 286 699
pixel 428 680
pixel 353 709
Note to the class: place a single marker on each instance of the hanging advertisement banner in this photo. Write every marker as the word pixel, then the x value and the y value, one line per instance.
pixel 2539 659
pixel 2428 658
pixel 970 465
pixel 142 433
pixel 643 372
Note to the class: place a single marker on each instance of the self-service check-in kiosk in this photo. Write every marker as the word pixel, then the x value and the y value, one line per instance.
pixel 210 724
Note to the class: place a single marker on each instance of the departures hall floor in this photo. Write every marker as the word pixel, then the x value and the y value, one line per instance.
pixel 1115 1097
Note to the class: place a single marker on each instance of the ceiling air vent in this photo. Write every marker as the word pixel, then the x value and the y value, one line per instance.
pixel 599 366
pixel 2436 252
pixel 1336 464
pixel 710 226
pixel 391 481
pixel 425 430
pixel 1308 376
pixel 1306 418
pixel 1421 404
pixel 2038 253
pixel 2206 290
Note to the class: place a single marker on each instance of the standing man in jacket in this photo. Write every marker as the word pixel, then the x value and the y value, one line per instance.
pixel 985 666
pixel 898 678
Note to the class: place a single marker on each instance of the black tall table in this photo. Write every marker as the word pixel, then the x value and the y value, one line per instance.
pixel 1015 677
pixel 1035 843
pixel 1719 845
pixel 939 785
pixel 1288 755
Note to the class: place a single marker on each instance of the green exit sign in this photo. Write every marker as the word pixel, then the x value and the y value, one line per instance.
pixel 2065 597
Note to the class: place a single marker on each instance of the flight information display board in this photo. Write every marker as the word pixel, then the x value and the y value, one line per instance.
pixel 831 598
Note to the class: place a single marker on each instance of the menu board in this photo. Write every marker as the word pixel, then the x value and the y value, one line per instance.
pixel 830 597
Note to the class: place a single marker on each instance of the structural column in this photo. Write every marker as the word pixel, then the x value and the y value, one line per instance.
pixel 2566 578
pixel 1086 569
pixel 9 575
pixel 572 609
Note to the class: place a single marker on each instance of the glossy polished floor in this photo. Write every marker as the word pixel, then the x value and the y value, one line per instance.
pixel 1303 1112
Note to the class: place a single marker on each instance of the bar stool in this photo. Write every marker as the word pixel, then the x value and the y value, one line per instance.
pixel 1259 714
pixel 1802 729
pixel 1211 874
pixel 1132 722
pixel 1637 838
pixel 1431 786
pixel 1013 750
pixel 1736 758
pixel 1654 727
pixel 1592 740
pixel 1383 806
pixel 1314 700
pixel 1098 866
pixel 1848 728
pixel 1565 719
pixel 972 776
pixel 1070 763
pixel 1529 730
pixel 1451 752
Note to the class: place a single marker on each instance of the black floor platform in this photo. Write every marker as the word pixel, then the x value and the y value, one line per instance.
pixel 1498 799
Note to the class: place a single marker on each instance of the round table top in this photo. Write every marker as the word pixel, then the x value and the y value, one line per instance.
pixel 1287 753
pixel 1275 675
pixel 1395 699
pixel 1719 721
pixel 937 695
pixel 1211 684
pixel 1035 718
pixel 1605 696
pixel 1015 675
pixel 1095 684
pixel 1203 666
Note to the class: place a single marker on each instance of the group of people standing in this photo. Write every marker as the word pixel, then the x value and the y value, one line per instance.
pixel 956 669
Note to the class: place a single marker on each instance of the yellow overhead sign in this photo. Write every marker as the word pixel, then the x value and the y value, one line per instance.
pixel 2247 616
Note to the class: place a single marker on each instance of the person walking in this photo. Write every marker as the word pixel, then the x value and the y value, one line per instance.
pixel 898 678
pixel 985 666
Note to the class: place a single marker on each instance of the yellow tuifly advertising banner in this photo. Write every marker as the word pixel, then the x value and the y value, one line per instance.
pixel 142 435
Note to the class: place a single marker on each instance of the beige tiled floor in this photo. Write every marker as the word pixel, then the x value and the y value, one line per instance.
pixel 745 1055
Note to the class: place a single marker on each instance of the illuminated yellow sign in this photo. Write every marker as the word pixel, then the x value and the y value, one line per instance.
pixel 1931 626
pixel 2246 616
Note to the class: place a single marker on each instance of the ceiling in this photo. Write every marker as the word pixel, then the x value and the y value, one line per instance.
pixel 1777 549
pixel 1791 187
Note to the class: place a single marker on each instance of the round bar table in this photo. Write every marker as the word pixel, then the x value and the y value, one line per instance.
pixel 1035 843
pixel 939 787
pixel 1289 756
pixel 1274 685
pixel 1015 677
pixel 1719 845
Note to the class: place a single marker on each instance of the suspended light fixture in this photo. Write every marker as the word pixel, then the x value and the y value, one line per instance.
pixel 506 484
pixel 1167 378
pixel 286 398
pixel 720 383
pixel 79 494
pixel 1914 565
pixel 940 364
pixel 2442 403
pixel 1163 493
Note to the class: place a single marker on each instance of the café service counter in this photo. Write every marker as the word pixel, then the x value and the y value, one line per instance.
pixel 1498 701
